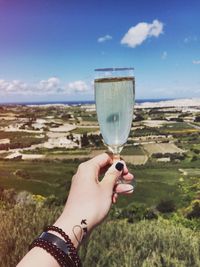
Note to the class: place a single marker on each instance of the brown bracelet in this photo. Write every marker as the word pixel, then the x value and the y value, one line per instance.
pixel 63 259
pixel 72 250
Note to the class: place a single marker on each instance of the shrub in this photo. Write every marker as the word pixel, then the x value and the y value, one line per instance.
pixel 179 219
pixel 166 206
pixel 19 225
pixel 197 119
pixel 146 243
pixel 194 158
pixel 114 243
pixel 133 213
pixel 193 211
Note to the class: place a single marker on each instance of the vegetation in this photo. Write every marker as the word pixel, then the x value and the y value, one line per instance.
pixel 156 243
pixel 114 243
pixel 19 140
pixel 58 151
pixel 44 178
pixel 85 130
pixel 133 150
pixel 19 225
pixel 159 225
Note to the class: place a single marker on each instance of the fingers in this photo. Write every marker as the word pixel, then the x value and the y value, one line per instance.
pixel 114 198
pixel 112 174
pixel 101 160
pixel 93 166
pixel 126 175
pixel 99 164
pixel 124 189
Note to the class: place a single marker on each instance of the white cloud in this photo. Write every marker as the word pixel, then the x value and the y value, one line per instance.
pixel 78 86
pixel 14 86
pixel 104 38
pixel 50 86
pixel 136 35
pixel 43 87
pixel 164 55
pixel 196 62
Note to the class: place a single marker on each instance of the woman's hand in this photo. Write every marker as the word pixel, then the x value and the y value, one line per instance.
pixel 88 203
pixel 89 199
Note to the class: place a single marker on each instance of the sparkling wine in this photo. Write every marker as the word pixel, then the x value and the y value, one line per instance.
pixel 114 103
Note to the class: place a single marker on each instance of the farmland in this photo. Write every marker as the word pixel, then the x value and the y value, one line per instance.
pixel 40 150
pixel 48 143
pixel 162 148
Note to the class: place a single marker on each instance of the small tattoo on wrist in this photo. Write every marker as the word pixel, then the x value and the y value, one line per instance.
pixel 83 228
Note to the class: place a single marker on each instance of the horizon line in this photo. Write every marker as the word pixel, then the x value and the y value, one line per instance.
pixel 80 101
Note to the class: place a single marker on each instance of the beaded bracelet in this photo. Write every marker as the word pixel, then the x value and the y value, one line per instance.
pixel 66 257
pixel 72 250
pixel 63 259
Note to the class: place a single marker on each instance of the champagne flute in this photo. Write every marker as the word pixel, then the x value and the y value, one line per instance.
pixel 114 97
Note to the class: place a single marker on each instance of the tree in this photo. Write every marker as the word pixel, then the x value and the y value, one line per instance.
pixel 84 140
pixel 197 119
pixel 166 206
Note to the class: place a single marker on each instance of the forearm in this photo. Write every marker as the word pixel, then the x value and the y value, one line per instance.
pixel 40 257
pixel 88 203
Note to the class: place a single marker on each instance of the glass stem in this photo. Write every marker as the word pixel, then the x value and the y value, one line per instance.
pixel 116 157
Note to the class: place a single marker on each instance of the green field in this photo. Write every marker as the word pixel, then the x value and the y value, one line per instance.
pixel 57 151
pixel 85 130
pixel 44 178
pixel 54 177
pixel 156 226
pixel 133 150
pixel 21 139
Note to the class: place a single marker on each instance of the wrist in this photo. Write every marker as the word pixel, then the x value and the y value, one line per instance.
pixel 72 227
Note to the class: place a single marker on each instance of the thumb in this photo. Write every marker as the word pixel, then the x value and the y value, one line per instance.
pixel 112 174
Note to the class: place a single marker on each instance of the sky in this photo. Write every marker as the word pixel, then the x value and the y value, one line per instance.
pixel 50 48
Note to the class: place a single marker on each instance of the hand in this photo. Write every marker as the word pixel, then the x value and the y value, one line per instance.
pixel 90 199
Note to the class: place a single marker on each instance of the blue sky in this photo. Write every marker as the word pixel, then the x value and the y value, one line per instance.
pixel 49 48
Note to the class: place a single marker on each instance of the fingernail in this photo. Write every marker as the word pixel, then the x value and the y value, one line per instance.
pixel 128 189
pixel 119 166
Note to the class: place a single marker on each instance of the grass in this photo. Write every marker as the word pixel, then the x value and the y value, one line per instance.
pixel 5 123
pixel 163 148
pixel 197 146
pixel 85 130
pixel 57 151
pixel 90 118
pixel 45 178
pixel 178 128
pixel 3 155
pixel 114 243
pixel 54 177
pixel 195 172
pixel 155 181
pixel 21 138
pixel 133 150
pixel 143 244
pixel 158 243
pixel 20 225
pixel 153 185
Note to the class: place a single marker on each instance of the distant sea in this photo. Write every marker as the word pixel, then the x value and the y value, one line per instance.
pixel 89 102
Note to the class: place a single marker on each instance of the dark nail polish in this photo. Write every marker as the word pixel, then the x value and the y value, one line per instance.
pixel 119 166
